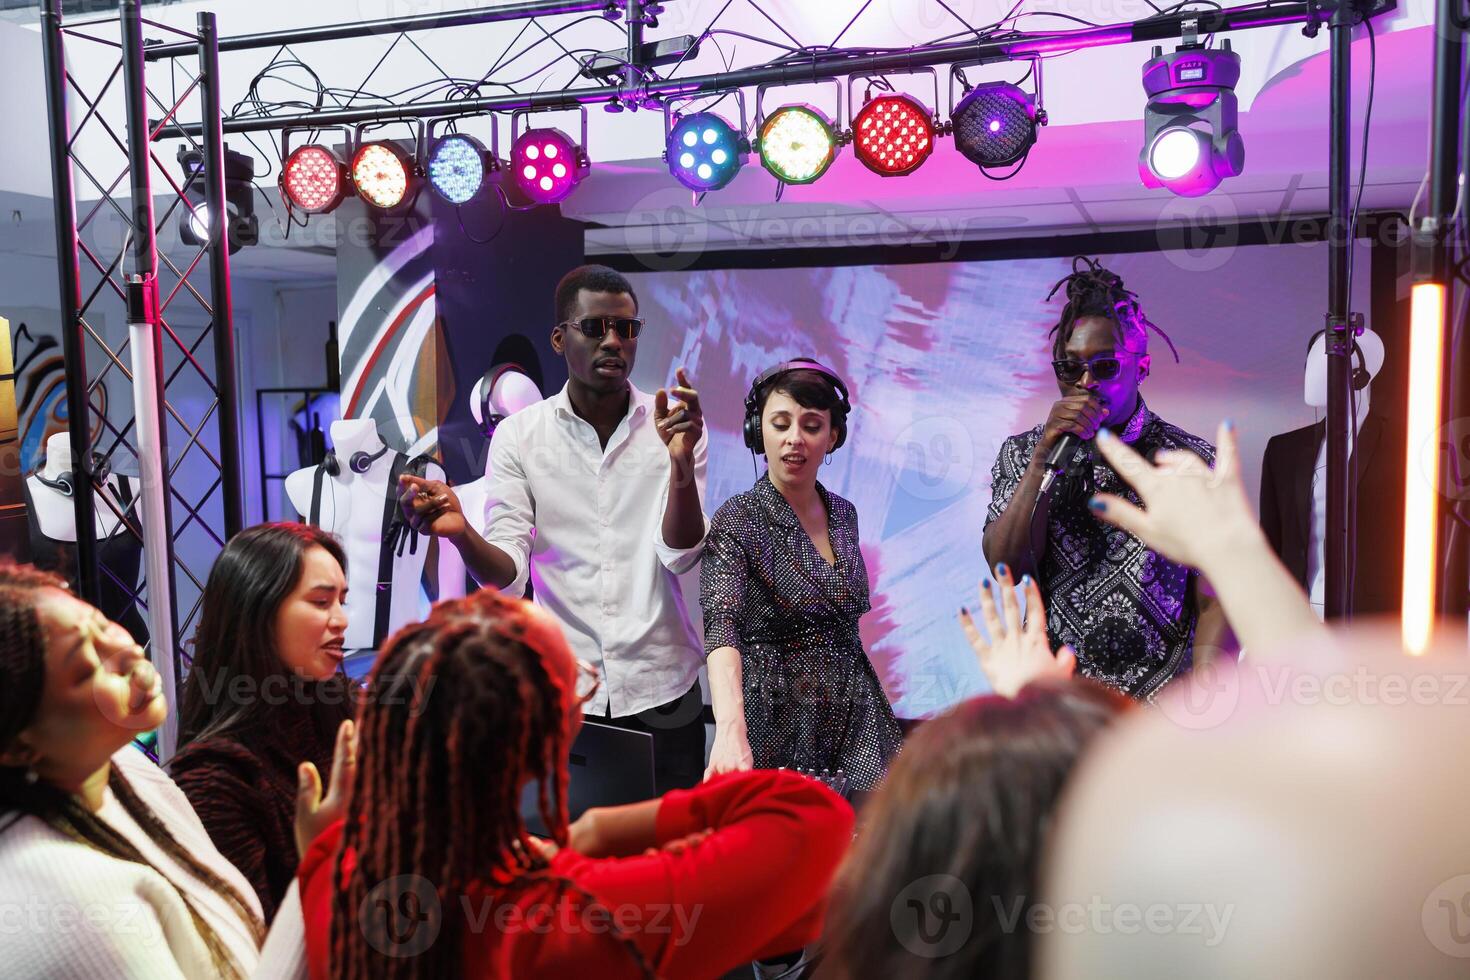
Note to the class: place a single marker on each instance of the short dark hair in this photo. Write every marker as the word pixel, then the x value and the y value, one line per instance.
pixel 593 278
pixel 809 389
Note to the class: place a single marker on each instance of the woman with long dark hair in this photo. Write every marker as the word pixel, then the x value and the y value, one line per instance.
pixel 266 691
pixel 103 850
pixel 783 585
pixel 433 874
pixel 962 818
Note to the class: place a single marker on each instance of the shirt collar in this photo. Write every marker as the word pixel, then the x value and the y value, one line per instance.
pixel 1137 422
pixel 777 507
pixel 639 403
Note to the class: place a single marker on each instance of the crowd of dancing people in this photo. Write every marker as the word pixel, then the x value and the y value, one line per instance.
pixel 1135 796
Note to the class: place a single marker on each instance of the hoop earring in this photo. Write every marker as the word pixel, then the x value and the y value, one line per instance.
pixel 32 777
pixel 828 460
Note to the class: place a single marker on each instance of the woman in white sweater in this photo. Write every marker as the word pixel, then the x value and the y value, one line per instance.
pixel 105 871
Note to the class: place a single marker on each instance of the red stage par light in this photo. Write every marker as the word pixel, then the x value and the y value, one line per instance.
pixel 313 179
pixel 893 134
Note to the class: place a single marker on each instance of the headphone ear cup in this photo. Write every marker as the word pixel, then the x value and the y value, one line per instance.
pixel 331 464
pixel 753 440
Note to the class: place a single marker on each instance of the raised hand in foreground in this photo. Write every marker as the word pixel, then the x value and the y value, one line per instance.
pixel 1017 652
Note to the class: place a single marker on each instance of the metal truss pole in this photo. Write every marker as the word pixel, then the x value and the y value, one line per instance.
pixel 393 25
pixel 1341 426
pixel 145 344
pixel 73 339
pixel 227 394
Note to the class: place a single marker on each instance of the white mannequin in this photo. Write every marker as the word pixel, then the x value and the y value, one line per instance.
pixel 512 392
pixel 1314 384
pixel 352 507
pixel 1315 394
pixel 54 512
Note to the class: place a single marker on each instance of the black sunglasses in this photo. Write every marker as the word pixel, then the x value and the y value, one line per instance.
pixel 1070 371
pixel 596 327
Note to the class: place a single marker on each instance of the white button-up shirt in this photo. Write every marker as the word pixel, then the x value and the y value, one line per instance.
pixel 592 520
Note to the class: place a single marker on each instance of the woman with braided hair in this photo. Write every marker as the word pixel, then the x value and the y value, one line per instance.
pixel 433 874
pixel 103 864
pixel 1134 618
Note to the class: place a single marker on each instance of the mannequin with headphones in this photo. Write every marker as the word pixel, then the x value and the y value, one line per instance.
pixel 1294 469
pixel 783 585
pixel 52 486
pixel 502 391
pixel 49 493
pixel 348 493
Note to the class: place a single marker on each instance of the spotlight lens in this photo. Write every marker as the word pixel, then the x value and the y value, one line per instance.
pixel 894 135
pixel 1175 153
pixel 199 221
pixel 995 125
pixel 381 175
pixel 701 152
pixel 312 179
pixel 457 168
pixel 797 145
pixel 557 176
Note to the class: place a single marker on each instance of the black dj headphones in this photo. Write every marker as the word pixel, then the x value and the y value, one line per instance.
pixel 358 462
pixel 753 440
pixel 1361 377
pixel 66 483
pixel 488 419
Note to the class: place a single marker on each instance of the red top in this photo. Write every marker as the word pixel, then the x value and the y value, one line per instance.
pixel 754 887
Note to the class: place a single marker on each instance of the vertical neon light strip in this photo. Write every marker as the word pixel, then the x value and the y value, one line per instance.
pixel 1421 483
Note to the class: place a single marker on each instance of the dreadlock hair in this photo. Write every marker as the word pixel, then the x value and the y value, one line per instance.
pixel 1094 291
pixel 460 712
pixel 23 658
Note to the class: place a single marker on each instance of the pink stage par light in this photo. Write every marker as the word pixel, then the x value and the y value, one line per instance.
pixel 547 165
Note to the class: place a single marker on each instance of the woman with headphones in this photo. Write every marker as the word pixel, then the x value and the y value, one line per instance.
pixel 783 584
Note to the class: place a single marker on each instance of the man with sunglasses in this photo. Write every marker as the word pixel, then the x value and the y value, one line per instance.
pixel 1135 619
pixel 599 488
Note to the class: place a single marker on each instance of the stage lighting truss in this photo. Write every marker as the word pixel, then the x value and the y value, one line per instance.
pixel 243 227
pixel 798 142
pixel 1189 125
pixel 313 176
pixel 995 124
pixel 459 166
pixel 893 133
pixel 704 152
pixel 546 164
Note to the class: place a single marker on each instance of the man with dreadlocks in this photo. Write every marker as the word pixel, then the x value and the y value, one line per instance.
pixel 1134 618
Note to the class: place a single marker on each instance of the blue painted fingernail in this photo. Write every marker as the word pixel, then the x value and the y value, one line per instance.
pixel 1104 435
pixel 986 585
pixel 1229 425
pixel 1025 581
pixel 1098 504
pixel 1001 569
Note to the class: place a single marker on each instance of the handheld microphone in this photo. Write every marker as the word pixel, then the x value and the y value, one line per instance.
pixel 1059 458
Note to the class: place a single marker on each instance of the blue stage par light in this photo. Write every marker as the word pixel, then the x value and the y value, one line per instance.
pixel 705 152
pixel 457 168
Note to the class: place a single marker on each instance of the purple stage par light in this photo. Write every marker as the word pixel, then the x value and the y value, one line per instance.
pixel 995 124
pixel 1189 125
pixel 547 165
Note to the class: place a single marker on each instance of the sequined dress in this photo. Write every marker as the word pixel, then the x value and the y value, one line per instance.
pixel 812 698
